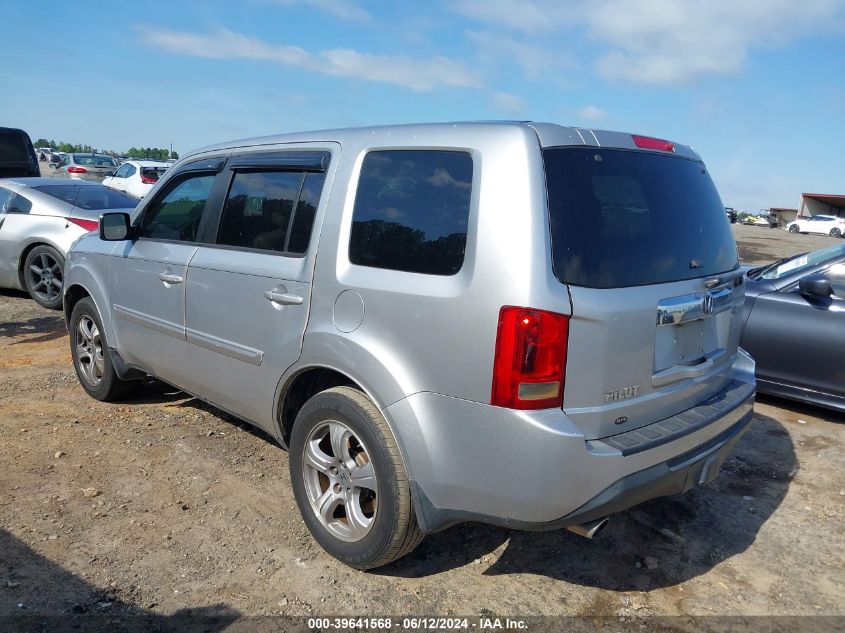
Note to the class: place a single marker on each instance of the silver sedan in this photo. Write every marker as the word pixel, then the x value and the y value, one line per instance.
pixel 85 166
pixel 39 220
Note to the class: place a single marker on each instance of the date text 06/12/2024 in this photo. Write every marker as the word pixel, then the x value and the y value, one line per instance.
pixel 420 623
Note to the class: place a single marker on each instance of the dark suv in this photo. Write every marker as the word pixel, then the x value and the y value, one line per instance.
pixel 17 156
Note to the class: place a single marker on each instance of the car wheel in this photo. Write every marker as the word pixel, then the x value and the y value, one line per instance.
pixel 90 353
pixel 835 232
pixel 793 229
pixel 349 481
pixel 43 271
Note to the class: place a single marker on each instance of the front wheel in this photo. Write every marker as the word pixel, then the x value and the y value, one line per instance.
pixel 43 271
pixel 349 481
pixel 793 229
pixel 90 353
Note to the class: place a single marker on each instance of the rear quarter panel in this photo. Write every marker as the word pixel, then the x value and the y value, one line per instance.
pixel 428 332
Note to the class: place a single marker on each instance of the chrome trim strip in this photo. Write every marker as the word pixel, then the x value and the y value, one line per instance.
pixel 693 307
pixel 153 323
pixel 227 348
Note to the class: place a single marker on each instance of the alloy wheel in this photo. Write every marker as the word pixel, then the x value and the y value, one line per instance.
pixel 89 351
pixel 340 481
pixel 45 277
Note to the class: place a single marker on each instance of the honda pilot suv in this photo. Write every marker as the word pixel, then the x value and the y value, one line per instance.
pixel 522 324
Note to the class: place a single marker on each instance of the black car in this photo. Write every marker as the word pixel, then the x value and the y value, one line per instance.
pixel 17 156
pixel 731 213
pixel 795 326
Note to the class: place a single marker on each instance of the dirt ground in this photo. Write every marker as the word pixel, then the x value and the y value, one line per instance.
pixel 162 504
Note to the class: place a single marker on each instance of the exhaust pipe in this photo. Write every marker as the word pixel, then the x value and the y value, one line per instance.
pixel 588 529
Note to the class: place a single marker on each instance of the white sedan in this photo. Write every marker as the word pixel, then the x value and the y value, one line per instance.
pixel 825 224
pixel 136 177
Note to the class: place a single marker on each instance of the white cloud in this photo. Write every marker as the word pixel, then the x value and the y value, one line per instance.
pixel 509 102
pixel 345 9
pixel 666 41
pixel 592 113
pixel 420 75
pixel 660 41
pixel 521 15
pixel 535 59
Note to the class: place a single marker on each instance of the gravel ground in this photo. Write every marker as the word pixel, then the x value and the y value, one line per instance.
pixel 162 505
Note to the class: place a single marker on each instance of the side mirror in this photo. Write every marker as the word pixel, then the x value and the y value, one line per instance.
pixel 817 285
pixel 110 174
pixel 115 227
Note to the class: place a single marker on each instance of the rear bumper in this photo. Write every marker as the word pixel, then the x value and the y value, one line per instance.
pixel 672 477
pixel 534 470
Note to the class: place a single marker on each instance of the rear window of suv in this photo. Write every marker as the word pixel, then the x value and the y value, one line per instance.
pixel 13 148
pixel 624 218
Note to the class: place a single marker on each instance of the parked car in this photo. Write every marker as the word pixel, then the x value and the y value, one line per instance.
pixel 136 177
pixel 795 326
pixel 732 215
pixel 39 219
pixel 441 322
pixel 824 224
pixel 17 156
pixel 44 154
pixel 79 166
pixel 756 220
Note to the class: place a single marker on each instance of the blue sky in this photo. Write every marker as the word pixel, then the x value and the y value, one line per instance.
pixel 757 86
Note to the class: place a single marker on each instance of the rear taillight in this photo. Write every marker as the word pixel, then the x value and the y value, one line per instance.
pixel 647 142
pixel 88 225
pixel 77 170
pixel 147 180
pixel 530 361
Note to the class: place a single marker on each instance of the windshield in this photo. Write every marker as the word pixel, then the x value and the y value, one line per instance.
pixel 89 197
pixel 790 265
pixel 629 218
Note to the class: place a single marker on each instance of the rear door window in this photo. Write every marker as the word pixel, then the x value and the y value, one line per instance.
pixel 124 171
pixel 259 209
pixel 623 218
pixel 271 210
pixel 412 210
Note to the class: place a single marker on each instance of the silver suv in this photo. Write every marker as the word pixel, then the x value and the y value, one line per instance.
pixel 522 324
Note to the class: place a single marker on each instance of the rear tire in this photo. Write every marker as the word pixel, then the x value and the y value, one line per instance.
pixel 341 439
pixel 835 232
pixel 43 275
pixel 793 229
pixel 90 353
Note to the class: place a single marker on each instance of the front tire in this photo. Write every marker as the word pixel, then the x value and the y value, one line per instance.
pixel 90 353
pixel 349 481
pixel 43 274
pixel 793 229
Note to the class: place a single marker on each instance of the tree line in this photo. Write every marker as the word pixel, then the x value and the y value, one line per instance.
pixel 151 153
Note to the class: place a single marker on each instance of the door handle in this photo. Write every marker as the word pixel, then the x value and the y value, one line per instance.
pixel 170 278
pixel 283 298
